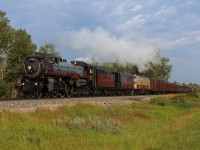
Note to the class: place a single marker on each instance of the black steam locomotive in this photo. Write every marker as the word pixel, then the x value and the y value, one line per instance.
pixel 51 76
pixel 55 77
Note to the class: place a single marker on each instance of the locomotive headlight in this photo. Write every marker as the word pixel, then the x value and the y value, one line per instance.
pixel 23 83
pixel 36 83
pixel 29 67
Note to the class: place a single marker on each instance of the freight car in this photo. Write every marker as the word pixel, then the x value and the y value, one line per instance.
pixel 161 87
pixel 53 76
pixel 124 83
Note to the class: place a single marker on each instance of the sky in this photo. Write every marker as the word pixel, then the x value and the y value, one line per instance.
pixel 128 30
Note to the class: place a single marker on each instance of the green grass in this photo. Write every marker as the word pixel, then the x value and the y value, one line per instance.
pixel 165 123
pixel 135 99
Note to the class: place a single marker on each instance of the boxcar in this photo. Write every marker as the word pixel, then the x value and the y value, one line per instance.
pixel 124 83
pixel 105 79
pixel 159 87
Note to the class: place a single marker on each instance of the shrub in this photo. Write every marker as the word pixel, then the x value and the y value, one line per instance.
pixel 61 122
pixel 179 99
pixel 108 125
pixel 77 123
pixel 113 126
pixel 193 95
pixel 5 89
pixel 159 101
pixel 95 124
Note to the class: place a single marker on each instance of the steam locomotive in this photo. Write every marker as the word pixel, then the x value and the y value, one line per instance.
pixel 55 77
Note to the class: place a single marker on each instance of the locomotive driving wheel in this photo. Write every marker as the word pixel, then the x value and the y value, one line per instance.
pixel 55 93
pixel 62 94
pixel 39 93
pixel 70 90
pixel 33 92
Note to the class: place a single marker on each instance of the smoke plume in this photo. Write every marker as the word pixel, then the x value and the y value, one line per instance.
pixel 105 47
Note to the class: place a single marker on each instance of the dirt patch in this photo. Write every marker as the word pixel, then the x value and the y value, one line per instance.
pixel 141 116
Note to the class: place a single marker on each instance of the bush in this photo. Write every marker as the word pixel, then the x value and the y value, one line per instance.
pixel 193 95
pixel 62 122
pixel 5 89
pixel 179 99
pixel 108 125
pixel 77 123
pixel 96 124
pixel 159 101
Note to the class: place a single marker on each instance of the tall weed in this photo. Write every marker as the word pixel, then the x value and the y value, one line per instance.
pixel 183 100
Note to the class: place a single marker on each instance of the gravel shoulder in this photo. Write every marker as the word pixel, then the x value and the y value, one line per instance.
pixel 33 104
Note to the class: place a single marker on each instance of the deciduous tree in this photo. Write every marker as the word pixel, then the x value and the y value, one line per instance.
pixel 49 50
pixel 15 45
pixel 161 71
pixel 6 32
pixel 21 46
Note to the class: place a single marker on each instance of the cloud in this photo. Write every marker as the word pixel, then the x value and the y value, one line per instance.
pixel 173 43
pixel 136 7
pixel 132 22
pixel 165 12
pixel 104 46
pixel 172 26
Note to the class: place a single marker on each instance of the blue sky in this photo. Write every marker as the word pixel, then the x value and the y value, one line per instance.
pixel 128 29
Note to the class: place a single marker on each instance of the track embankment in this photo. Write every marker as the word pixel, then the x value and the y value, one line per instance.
pixel 33 104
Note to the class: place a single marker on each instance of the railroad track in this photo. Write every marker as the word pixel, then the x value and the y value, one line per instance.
pixel 56 98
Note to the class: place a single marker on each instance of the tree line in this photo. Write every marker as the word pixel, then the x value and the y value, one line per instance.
pixel 160 71
pixel 16 44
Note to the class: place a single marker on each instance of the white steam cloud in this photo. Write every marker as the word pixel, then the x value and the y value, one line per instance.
pixel 103 46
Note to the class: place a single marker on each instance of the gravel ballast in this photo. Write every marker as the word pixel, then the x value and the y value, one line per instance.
pixel 33 104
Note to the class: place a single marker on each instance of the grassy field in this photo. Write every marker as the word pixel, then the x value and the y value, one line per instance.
pixel 166 123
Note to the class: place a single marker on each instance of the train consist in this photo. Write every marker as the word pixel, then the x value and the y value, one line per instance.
pixel 55 77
